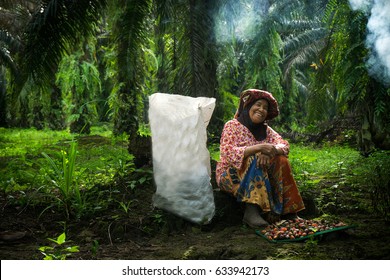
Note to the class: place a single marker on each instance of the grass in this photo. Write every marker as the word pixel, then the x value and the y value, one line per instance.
pixel 19 142
pixel 312 164
pixel 59 166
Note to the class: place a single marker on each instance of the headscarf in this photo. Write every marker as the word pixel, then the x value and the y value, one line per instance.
pixel 247 99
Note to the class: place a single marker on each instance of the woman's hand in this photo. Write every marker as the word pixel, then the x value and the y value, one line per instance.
pixel 269 150
pixel 264 149
pixel 263 160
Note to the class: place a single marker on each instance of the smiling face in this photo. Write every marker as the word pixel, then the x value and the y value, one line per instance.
pixel 258 112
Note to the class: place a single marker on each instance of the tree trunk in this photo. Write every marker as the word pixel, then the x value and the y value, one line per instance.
pixel 204 57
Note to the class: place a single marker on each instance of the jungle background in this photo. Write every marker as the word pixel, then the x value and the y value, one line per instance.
pixel 76 177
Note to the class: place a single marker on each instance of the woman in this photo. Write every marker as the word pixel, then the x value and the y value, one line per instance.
pixel 253 162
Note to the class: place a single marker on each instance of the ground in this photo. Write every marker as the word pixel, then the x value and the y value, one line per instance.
pixel 146 233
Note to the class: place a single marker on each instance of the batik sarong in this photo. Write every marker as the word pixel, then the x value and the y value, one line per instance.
pixel 273 188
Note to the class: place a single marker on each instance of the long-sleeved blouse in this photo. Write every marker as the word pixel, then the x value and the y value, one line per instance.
pixel 236 138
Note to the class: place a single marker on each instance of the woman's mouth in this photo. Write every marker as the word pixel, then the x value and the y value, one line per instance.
pixel 259 115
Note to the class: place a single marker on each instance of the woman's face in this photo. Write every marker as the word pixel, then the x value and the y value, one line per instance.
pixel 258 112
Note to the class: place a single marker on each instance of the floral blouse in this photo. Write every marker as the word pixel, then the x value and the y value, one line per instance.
pixel 236 138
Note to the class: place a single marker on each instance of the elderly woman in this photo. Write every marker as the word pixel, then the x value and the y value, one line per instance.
pixel 253 164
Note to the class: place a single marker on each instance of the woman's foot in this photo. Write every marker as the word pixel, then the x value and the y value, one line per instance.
pixel 271 217
pixel 252 216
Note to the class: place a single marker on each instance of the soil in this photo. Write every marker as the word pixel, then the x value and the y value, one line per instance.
pixel 146 233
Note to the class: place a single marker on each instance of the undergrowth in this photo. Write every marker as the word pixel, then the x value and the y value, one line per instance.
pixel 34 171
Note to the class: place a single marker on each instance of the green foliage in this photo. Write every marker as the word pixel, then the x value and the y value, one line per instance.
pixel 214 151
pixel 144 130
pixel 341 82
pixel 131 71
pixel 140 177
pixel 59 250
pixel 322 174
pixel 63 179
pixel 308 162
pixel 55 28
pixel 344 61
pixel 79 81
pixel 312 59
pixel 372 173
pixel 16 142
pixel 29 179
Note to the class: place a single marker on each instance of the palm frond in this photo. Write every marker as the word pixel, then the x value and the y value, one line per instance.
pixel 56 26
pixel 303 49
pixel 130 32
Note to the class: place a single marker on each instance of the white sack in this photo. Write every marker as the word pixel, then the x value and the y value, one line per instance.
pixel 181 160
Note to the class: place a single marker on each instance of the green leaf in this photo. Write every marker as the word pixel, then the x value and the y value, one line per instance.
pixel 61 239
pixel 73 249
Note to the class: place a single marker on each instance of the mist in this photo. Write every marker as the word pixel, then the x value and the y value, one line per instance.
pixel 362 5
pixel 238 19
pixel 378 38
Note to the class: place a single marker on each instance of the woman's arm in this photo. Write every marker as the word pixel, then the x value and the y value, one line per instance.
pixel 236 146
pixel 275 145
pixel 266 148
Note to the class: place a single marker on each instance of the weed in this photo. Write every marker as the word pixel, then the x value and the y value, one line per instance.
pixel 158 218
pixel 144 130
pixel 140 177
pixel 59 250
pixel 63 178
pixel 311 245
pixel 372 173
pixel 125 206
pixel 95 247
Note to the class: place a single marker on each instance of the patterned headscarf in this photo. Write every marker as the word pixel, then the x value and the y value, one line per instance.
pixel 249 96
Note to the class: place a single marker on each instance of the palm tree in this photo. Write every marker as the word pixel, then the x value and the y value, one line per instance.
pixel 186 50
pixel 37 33
pixel 275 49
pixel 345 77
pixel 304 36
pixel 56 26
pixel 14 15
pixel 130 33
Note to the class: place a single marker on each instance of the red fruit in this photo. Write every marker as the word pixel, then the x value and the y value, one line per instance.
pixel 340 224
